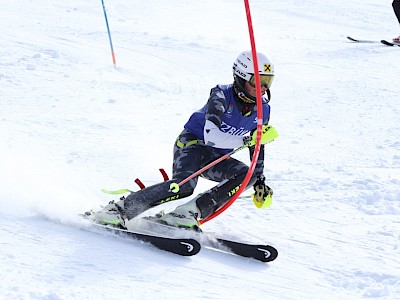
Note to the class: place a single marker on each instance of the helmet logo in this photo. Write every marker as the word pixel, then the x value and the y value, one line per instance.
pixel 241 74
pixel 242 63
pixel 267 68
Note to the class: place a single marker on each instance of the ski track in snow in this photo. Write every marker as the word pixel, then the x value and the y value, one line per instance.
pixel 72 124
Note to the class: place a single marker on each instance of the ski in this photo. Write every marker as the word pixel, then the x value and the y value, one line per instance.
pixel 361 41
pixel 180 246
pixel 389 43
pixel 264 253
pixel 385 42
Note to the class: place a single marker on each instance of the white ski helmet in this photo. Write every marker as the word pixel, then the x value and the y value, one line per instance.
pixel 243 70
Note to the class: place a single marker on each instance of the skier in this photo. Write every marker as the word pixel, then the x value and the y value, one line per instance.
pixel 227 121
pixel 396 8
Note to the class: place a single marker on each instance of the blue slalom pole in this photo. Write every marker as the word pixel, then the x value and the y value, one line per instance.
pixel 109 35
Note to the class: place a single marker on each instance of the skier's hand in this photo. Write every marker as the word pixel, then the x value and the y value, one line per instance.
pixel 262 197
pixel 269 133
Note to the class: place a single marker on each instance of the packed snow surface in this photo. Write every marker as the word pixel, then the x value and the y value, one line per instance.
pixel 71 123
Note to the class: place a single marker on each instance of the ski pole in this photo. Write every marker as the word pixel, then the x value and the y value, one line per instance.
pixel 174 187
pixel 109 35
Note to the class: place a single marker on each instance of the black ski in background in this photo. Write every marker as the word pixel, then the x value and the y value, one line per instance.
pixel 384 42
pixel 362 41
pixel 389 43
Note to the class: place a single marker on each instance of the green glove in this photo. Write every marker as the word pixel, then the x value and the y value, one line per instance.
pixel 269 133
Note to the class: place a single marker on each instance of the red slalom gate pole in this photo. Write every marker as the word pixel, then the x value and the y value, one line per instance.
pixel 259 121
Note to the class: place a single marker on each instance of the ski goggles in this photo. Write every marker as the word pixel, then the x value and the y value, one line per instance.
pixel 265 80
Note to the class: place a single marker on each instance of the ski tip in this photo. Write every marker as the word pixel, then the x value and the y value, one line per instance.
pixel 387 43
pixel 271 254
pixel 351 39
pixel 192 247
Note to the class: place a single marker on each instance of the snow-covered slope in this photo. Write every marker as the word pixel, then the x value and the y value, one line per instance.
pixel 71 124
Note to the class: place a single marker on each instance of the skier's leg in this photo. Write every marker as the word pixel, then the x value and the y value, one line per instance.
pixel 115 213
pixel 187 160
pixel 205 204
